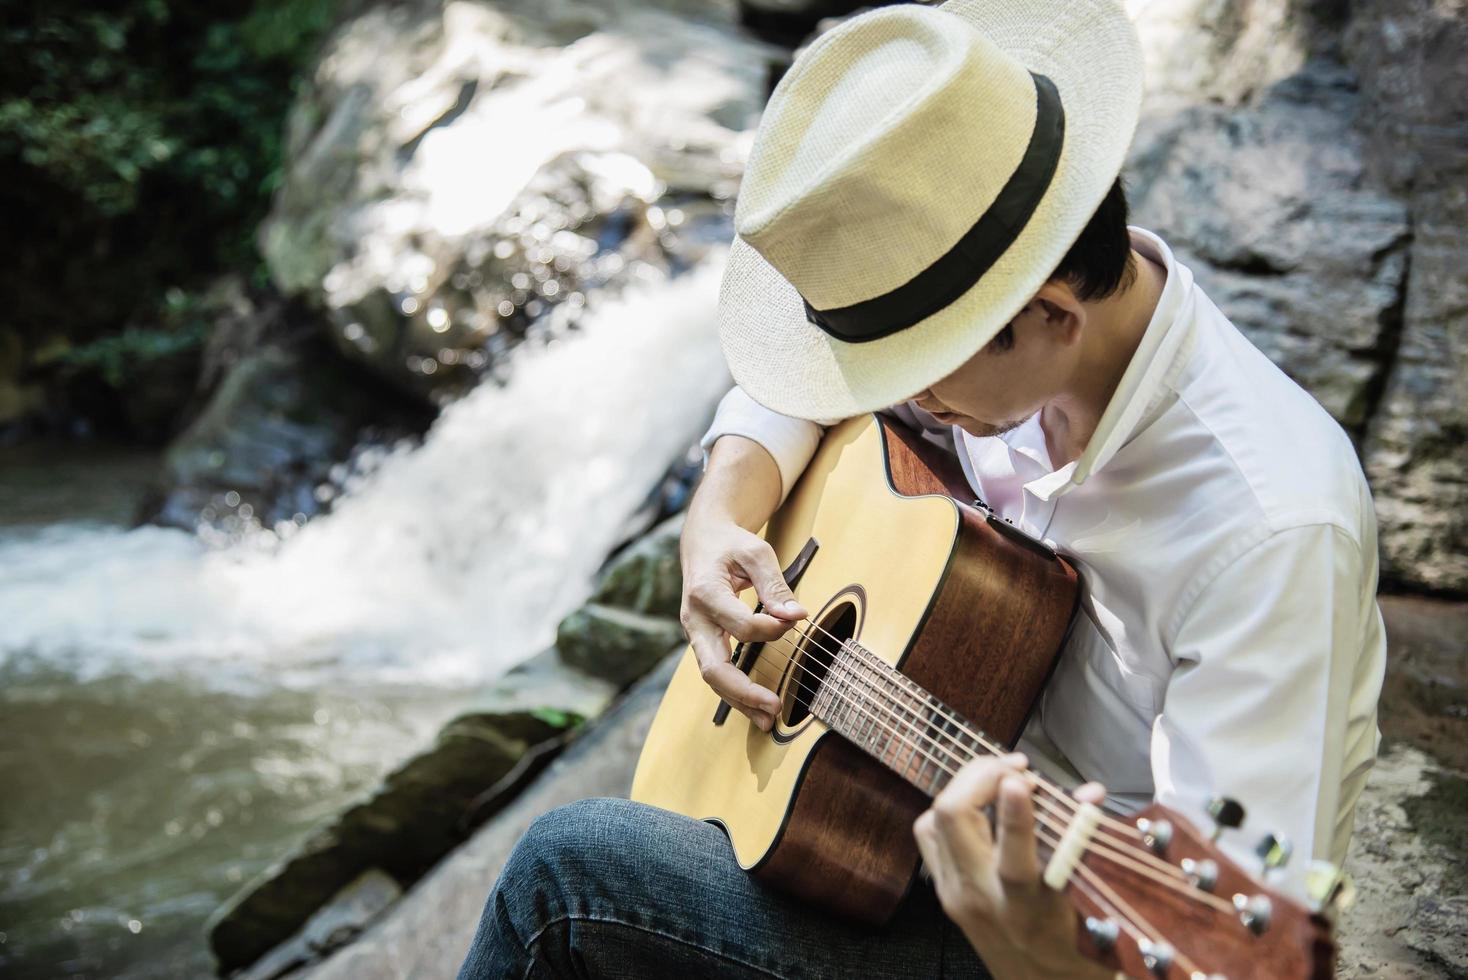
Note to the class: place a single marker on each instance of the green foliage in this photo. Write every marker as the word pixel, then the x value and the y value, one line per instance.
pixel 141 141
pixel 118 358
pixel 557 718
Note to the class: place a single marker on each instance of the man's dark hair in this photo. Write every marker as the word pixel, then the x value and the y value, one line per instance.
pixel 1100 261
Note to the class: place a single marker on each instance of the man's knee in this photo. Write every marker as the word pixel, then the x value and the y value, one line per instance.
pixel 562 854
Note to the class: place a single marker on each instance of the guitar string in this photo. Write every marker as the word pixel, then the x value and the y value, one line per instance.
pixel 1079 883
pixel 1145 856
pixel 1042 823
pixel 1102 850
pixel 1108 849
pixel 1086 875
pixel 1127 831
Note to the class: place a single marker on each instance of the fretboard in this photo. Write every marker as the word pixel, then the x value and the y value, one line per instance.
pixel 911 732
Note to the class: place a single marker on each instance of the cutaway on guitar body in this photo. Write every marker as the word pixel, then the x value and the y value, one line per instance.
pixel 905 572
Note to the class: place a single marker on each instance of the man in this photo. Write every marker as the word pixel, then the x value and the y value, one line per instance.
pixel 931 223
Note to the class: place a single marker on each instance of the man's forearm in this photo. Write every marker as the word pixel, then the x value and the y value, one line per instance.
pixel 741 484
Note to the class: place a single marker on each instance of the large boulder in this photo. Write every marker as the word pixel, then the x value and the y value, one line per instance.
pixel 1296 122
pixel 1409 56
pixel 463 175
pixel 1270 206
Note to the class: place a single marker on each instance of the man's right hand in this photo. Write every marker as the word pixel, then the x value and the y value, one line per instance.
pixel 720 560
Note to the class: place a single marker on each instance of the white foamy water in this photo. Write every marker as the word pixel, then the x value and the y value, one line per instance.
pixel 447 563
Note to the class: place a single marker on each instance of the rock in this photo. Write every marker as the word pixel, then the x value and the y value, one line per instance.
pixel 1415 115
pixel 792 23
pixel 614 643
pixel 463 175
pixel 1206 51
pixel 427 933
pixel 546 683
pixel 646 576
pixel 335 924
pixel 20 399
pixel 421 811
pixel 1410 917
pixel 282 417
pixel 1414 84
pixel 1271 208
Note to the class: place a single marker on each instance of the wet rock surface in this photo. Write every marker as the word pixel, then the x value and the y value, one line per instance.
pixel 464 175
pixel 421 810
pixel 426 935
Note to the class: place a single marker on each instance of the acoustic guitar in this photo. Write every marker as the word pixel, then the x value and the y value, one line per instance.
pixel 934 626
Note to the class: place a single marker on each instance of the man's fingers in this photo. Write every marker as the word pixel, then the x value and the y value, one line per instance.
pixel 711 648
pixel 723 607
pixel 959 809
pixel 1093 793
pixel 763 569
pixel 1019 864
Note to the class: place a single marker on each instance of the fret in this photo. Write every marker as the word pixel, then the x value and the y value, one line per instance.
pixel 934 761
pixel 855 709
pixel 868 736
pixel 880 709
pixel 841 716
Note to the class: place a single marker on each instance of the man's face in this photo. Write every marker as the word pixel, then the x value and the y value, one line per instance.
pixel 1013 376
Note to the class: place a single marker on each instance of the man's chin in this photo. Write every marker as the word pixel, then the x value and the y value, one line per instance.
pixel 983 429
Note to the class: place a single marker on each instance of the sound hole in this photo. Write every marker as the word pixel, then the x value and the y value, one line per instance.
pixel 807 669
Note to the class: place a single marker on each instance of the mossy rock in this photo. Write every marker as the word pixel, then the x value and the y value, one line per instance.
pixel 647 576
pixel 616 644
pixel 419 813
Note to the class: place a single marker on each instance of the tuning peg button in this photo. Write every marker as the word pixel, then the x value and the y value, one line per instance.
pixel 1274 851
pixel 1157 956
pixel 1203 873
pixel 1225 812
pixel 1156 834
pixel 1255 911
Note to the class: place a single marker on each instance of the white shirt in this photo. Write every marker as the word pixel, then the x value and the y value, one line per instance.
pixel 1229 642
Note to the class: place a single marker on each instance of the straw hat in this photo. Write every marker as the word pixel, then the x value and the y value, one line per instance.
pixel 917 175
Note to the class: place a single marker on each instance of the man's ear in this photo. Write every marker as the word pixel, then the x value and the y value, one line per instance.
pixel 1062 312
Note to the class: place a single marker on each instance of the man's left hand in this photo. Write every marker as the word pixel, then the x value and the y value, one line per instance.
pixel 989 884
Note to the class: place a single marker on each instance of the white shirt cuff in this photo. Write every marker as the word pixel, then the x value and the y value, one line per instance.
pixel 791 441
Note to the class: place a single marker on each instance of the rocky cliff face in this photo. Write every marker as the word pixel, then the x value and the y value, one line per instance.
pixel 1310 161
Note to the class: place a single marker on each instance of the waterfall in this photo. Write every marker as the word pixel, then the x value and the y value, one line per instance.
pixel 446 563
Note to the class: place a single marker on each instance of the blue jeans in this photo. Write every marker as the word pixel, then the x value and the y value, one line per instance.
pixel 608 888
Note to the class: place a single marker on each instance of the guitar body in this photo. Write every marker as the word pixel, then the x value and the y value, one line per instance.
pixel 960 603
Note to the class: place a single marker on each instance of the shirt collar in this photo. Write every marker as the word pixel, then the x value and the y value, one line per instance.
pixel 1158 357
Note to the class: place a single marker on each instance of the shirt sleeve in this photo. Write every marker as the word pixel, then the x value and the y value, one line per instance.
pixel 1273 698
pixel 791 441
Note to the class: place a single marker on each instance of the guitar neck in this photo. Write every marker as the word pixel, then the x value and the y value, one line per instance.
pixel 896 721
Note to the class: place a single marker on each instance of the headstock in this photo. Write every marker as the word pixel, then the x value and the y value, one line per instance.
pixel 1158 899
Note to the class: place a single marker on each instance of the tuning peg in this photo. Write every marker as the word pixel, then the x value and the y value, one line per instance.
pixel 1103 932
pixel 1156 834
pixel 1225 812
pixel 1157 956
pixel 1274 851
pixel 1203 873
pixel 1328 887
pixel 1255 911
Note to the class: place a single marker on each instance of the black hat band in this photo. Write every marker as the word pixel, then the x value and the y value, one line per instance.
pixel 955 271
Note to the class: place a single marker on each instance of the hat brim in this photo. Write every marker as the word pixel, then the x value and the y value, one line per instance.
pixel 1089 49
